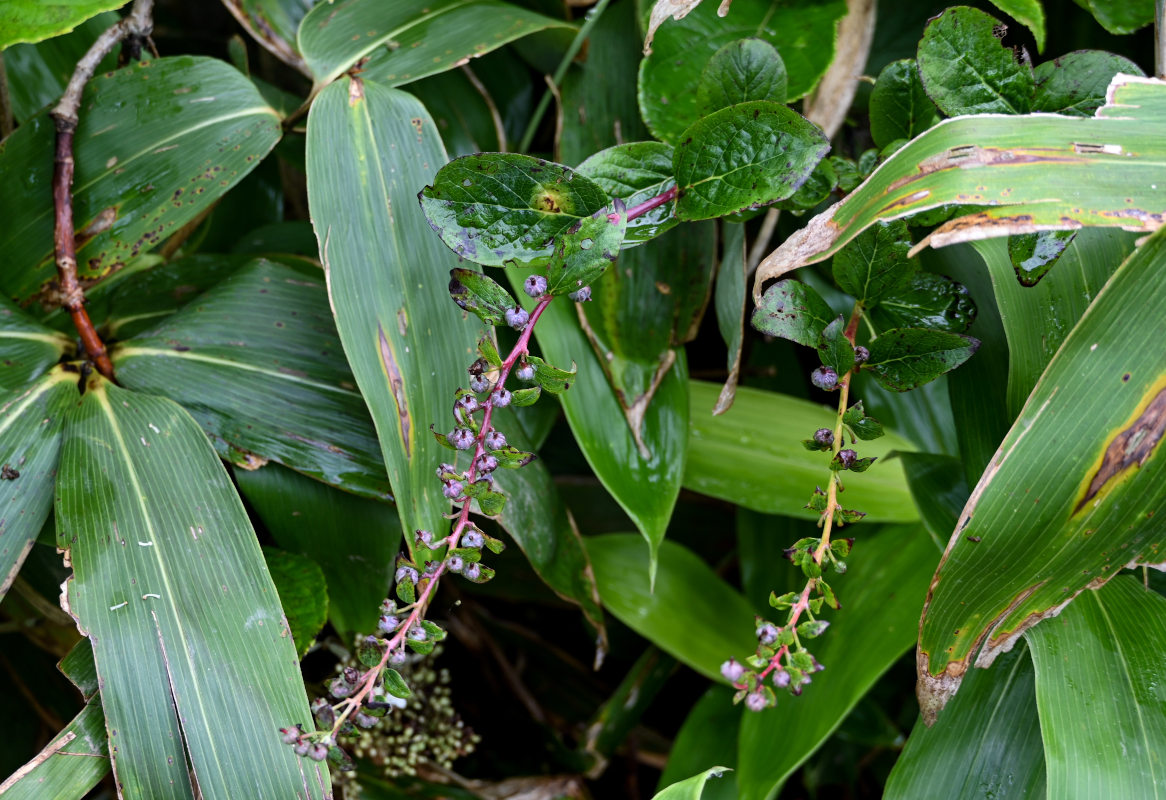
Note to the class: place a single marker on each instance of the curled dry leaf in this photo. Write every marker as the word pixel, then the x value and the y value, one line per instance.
pixel 676 9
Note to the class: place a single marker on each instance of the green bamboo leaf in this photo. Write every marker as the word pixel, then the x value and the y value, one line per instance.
pixel 750 456
pixel 803 32
pixel 940 490
pixel 881 596
pixel 70 765
pixel 35 20
pixel 636 172
pixel 1037 319
pixel 905 358
pixel 163 535
pixel 409 39
pixel 500 209
pixel 793 311
pixel 202 127
pixel 702 740
pixel 1075 83
pixel 642 473
pixel 988 746
pixel 899 106
pixel 1098 673
pixel 967 70
pixel 744 70
pixel 1052 526
pixel 691 788
pixel 701 629
pixel 257 362
pixel 30 439
pixel 353 539
pixel 29 347
pixel 746 156
pixel 386 274
pixel 1102 171
pixel 926 300
pixel 273 23
pixel 875 263
pixel 303 594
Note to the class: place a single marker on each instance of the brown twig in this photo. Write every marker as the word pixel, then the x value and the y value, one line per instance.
pixel 137 25
pixel 7 122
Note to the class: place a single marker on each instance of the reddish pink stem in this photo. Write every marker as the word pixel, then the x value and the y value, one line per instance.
pixel 647 205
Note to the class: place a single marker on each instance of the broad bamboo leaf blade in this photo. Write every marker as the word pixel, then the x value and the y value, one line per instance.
pixel 69 766
pixel 1098 672
pixel 1035 172
pixel 29 348
pixel 353 539
pixel 370 150
pixel 749 455
pixel 644 474
pixel 989 743
pixel 190 642
pixel 690 788
pixel 1043 524
pixel 200 126
pixel 701 629
pixel 257 361
pixel 803 32
pixel 406 40
pixel 31 420
pixel 876 625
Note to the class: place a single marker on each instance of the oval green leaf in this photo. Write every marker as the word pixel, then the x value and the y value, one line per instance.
pixel 636 172
pixel 899 107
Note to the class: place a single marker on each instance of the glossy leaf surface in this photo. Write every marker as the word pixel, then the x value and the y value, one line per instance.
pixel 750 456
pixel 988 745
pixel 802 32
pixel 927 300
pixel 905 358
pixel 1051 527
pixel 258 363
pixel 881 596
pixel 34 20
pixel 875 263
pixel 967 70
pixel 386 274
pixel 28 347
pixel 501 209
pixel 899 107
pixel 1028 13
pixel 701 629
pixel 745 156
pixel 303 594
pixel 689 788
pixel 30 439
pixel 405 40
pixel 793 310
pixel 160 534
pixel 1120 16
pixel 744 70
pixel 70 765
pixel 636 172
pixel 1075 83
pixel 1098 673
pixel 197 128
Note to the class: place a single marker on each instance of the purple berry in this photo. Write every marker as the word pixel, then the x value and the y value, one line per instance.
pixel 302 747
pixel 417 634
pixel 472 539
pixel 453 490
pixel 455 563
pixel 824 437
pixel 500 397
pixel 425 538
pixel 461 438
pixel 767 633
pixel 781 679
pixel 365 720
pixel 398 657
pixel 465 405
pixel 535 285
pixel 318 752
pixel 846 458
pixel 485 464
pixel 732 670
pixel 405 574
pixel 322 711
pixel 444 468
pixel 824 378
pixel 387 624
pixel 581 295
pixel 525 372
pixel 473 572
pixel 290 735
pixel 340 688
pixel 480 384
pixel 494 440
pixel 516 318
pixel 755 701
pixel 861 354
